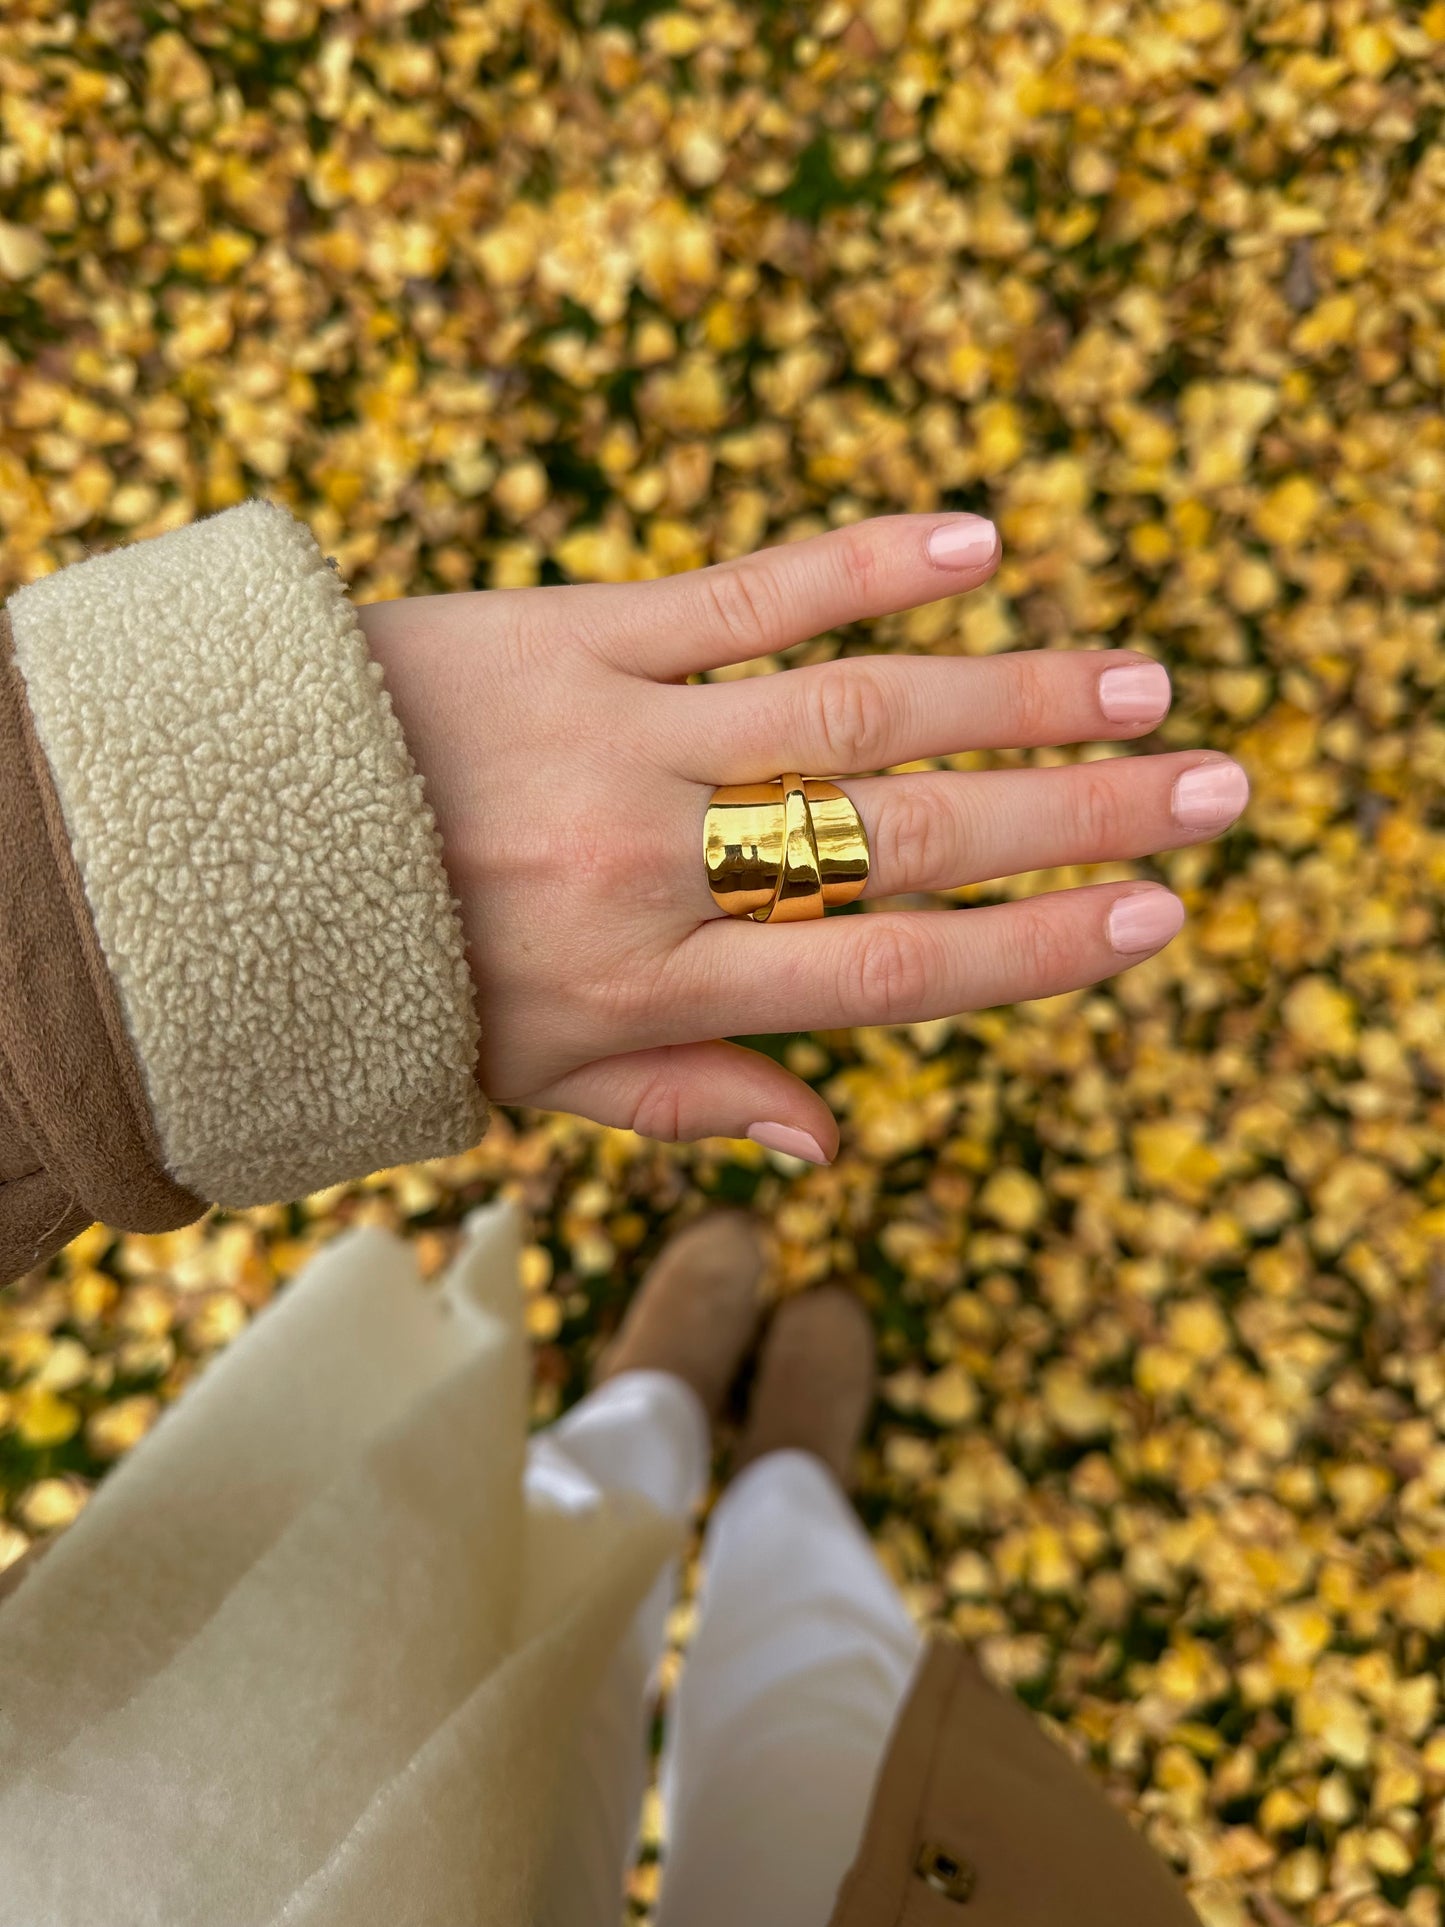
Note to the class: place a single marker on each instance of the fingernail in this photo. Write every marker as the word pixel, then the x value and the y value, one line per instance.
pixel 788 1139
pixel 1209 797
pixel 964 543
pixel 1134 692
pixel 1145 921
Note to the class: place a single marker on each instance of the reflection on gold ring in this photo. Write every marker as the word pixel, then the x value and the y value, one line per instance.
pixel 775 865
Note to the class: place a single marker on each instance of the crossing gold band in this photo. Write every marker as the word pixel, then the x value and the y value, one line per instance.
pixel 783 851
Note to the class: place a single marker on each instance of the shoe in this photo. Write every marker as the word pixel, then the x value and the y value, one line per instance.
pixel 816 1382
pixel 696 1313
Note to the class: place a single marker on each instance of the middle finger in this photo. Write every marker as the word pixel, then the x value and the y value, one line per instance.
pixel 865 713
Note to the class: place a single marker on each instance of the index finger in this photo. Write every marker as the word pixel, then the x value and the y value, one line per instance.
pixel 754 605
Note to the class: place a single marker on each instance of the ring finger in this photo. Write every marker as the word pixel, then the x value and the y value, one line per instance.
pixel 941 831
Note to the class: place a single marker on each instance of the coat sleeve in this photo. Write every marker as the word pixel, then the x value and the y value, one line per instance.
pixel 231 967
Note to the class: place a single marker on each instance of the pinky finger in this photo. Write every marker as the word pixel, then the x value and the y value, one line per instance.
pixel 684 1091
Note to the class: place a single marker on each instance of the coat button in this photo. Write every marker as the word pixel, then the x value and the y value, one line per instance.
pixel 945 1872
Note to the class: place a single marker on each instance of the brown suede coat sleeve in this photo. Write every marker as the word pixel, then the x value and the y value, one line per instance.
pixel 77 1141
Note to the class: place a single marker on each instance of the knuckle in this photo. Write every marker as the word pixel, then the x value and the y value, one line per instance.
pixel 1095 808
pixel 888 976
pixel 598 616
pixel 657 1108
pixel 1029 699
pixel 915 843
pixel 600 859
pixel 850 715
pixel 1042 949
pixel 514 626
pixel 858 562
pixel 522 626
pixel 743 600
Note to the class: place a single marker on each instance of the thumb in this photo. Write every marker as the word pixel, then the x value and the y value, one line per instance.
pixel 685 1091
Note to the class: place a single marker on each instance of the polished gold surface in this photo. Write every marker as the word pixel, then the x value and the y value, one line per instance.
pixel 785 850
pixel 743 846
pixel 841 842
pixel 799 896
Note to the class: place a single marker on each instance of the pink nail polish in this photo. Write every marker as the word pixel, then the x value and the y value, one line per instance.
pixel 1145 921
pixel 788 1139
pixel 967 542
pixel 1134 692
pixel 1209 797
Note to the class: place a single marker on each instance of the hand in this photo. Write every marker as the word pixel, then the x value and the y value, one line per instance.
pixel 569 765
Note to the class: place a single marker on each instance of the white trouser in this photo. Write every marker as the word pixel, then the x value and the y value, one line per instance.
pixel 802 1655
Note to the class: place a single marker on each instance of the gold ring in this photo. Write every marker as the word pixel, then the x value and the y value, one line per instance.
pixel 785 850
pixel 799 894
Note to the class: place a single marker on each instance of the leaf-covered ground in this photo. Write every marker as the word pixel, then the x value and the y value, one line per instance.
pixel 510 293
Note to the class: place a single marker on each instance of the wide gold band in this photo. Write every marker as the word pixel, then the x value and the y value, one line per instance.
pixel 783 851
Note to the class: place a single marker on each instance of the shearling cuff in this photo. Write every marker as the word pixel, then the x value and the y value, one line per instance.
pixel 264 876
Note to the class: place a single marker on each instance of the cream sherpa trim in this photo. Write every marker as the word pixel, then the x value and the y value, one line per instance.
pixel 263 870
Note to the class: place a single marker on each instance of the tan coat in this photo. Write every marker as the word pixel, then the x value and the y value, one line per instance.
pixel 232 972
